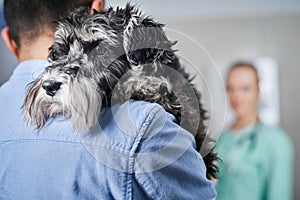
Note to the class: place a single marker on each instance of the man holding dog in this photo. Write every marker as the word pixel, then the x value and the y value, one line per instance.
pixel 52 163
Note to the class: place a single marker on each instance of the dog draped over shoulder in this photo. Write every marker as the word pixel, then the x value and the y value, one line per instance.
pixel 109 57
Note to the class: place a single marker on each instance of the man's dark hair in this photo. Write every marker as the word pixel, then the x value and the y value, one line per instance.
pixel 28 19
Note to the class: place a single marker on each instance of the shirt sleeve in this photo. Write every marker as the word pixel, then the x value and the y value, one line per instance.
pixel 166 164
pixel 280 179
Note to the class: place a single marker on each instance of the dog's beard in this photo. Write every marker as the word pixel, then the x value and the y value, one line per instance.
pixel 85 103
pixel 78 98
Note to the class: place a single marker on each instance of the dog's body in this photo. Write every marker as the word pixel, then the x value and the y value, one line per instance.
pixel 107 58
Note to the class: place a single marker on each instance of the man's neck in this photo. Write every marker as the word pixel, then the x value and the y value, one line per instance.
pixel 36 49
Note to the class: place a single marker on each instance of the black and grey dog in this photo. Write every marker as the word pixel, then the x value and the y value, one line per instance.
pixel 112 56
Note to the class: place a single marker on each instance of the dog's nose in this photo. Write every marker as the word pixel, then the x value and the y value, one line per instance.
pixel 51 87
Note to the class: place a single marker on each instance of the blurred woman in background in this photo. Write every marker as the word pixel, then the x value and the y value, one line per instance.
pixel 256 159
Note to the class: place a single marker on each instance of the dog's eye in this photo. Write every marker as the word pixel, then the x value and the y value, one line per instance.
pixel 101 50
pixel 53 56
pixel 48 68
pixel 71 70
pixel 120 21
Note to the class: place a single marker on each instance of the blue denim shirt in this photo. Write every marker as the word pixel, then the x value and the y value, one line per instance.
pixel 137 151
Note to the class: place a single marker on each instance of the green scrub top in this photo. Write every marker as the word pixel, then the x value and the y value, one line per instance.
pixel 257 164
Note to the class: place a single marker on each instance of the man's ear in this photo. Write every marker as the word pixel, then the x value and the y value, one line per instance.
pixel 10 43
pixel 97 5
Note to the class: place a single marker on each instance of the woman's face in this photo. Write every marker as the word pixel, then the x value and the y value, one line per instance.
pixel 242 90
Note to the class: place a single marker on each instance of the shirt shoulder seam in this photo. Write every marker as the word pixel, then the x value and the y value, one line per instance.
pixel 141 132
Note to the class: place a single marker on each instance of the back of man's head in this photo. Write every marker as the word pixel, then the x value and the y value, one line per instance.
pixel 28 19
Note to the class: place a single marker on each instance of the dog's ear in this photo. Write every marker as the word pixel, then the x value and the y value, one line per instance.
pixel 145 41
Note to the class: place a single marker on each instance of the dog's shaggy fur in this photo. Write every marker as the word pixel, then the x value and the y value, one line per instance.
pixel 112 56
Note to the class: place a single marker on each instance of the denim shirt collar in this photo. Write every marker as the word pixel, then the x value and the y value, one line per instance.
pixel 33 67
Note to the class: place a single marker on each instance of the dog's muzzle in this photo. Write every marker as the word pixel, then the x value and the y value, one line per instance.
pixel 51 87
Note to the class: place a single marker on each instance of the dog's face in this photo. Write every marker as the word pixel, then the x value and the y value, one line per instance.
pixel 89 56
